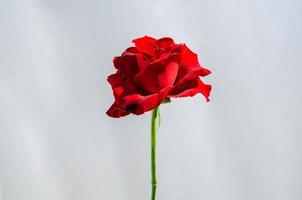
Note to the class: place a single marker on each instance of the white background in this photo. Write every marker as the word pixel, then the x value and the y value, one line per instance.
pixel 56 143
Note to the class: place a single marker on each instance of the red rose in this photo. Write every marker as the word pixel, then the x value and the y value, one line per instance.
pixel 152 71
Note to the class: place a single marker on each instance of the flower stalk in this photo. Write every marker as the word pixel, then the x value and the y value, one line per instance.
pixel 155 118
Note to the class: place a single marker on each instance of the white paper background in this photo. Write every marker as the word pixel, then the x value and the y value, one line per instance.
pixel 56 143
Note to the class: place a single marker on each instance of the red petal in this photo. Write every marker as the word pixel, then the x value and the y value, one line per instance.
pixel 142 64
pixel 115 79
pixel 145 44
pixel 158 75
pixel 138 104
pixel 191 88
pixel 130 51
pixel 120 85
pixel 127 64
pixel 115 111
pixel 167 77
pixel 188 75
pixel 164 42
pixel 189 65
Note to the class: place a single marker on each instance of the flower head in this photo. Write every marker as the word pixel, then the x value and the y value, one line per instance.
pixel 152 71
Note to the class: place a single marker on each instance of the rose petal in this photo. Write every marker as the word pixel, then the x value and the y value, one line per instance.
pixel 120 85
pixel 164 42
pixel 167 77
pixel 115 81
pixel 126 64
pixel 191 88
pixel 146 45
pixel 158 75
pixel 116 112
pixel 130 51
pixel 141 63
pixel 189 66
pixel 138 104
pixel 189 75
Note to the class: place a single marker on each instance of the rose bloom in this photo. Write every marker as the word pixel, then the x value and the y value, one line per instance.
pixel 152 72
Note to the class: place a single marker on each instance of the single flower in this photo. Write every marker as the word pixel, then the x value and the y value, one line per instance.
pixel 152 71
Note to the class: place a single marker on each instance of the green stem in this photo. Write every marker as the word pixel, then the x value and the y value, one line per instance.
pixel 154 124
